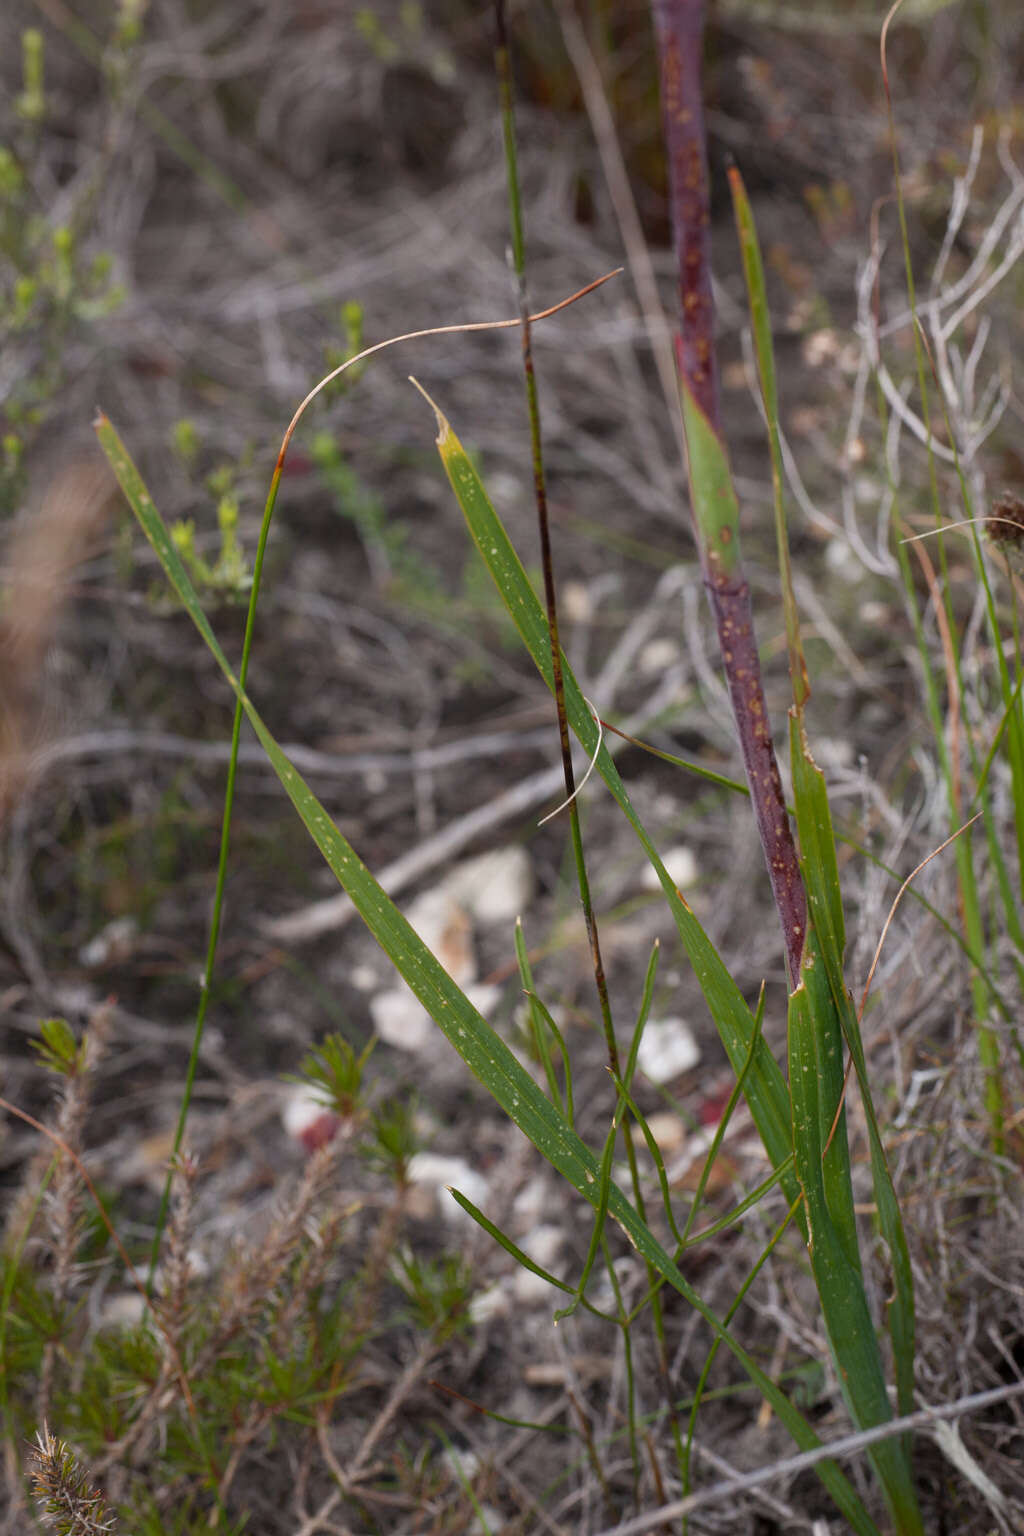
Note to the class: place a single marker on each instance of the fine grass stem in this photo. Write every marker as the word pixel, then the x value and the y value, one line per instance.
pixel 948 754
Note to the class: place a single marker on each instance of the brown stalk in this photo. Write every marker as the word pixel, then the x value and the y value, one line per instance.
pixel 679 30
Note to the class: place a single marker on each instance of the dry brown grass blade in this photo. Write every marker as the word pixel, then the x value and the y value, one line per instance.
pixel 43 551
pixel 908 882
pixel 433 330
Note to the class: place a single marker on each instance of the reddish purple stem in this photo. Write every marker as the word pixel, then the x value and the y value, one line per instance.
pixel 679 27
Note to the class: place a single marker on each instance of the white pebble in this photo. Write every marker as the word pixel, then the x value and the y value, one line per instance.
pixel 496 887
pixel 683 870
pixel 667 1050
pixel 436 1172
pixel 113 943
pixel 657 656
pixel 667 1129
pixel 445 928
pixel 401 1021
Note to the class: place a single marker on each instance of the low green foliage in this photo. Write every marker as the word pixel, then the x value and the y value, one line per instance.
pixel 215 1368
pixel 53 285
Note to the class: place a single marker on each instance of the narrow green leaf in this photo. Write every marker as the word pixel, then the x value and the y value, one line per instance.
pixel 766 1090
pixel 538 1033
pixel 646 1000
pixel 483 1051
pixel 716 510
pixel 504 1241
pixel 760 321
pixel 821 1016
pixel 839 1282
pixel 821 875
pixel 541 1011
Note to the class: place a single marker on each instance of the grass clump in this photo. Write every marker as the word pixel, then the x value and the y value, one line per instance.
pixel 172 1413
pixel 229 1353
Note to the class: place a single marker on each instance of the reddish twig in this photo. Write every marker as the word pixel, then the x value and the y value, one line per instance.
pixel 679 27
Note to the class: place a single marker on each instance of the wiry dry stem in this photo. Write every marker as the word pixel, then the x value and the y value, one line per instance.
pixel 63 1205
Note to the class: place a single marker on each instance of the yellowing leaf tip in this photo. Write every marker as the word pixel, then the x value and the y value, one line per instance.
pixel 442 421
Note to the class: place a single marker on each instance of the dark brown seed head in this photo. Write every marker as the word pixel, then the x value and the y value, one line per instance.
pixel 1005 526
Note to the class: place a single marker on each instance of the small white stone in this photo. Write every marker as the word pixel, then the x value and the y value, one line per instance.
pixel 820 347
pixel 867 490
pixel 657 656
pixel 125 1310
pixel 114 942
pixel 300 1109
pixel 445 928
pixel 576 603
pixel 840 558
pixel 495 888
pixel 528 1287
pixel 484 996
pixel 667 1129
pixel 503 486
pixel 544 1244
pixel 849 360
pixel 531 1201
pixel 463 1465
pixel 489 1304
pixel 401 1021
pixel 436 1172
pixel 667 1050
pixel 682 867
pixel 363 977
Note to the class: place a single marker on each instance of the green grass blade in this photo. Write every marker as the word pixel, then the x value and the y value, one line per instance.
pixel 814 824
pixel 483 1051
pixel 543 1013
pixel 839 1282
pixel 646 1001
pixel 513 1249
pixel 760 322
pixel 654 1151
pixel 821 1016
pixel 597 1236
pixel 767 1093
pixel 539 1022
pixel 724 1121
pixel 734 1307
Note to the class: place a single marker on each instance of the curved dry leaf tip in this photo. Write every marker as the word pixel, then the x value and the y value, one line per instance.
pixel 443 427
